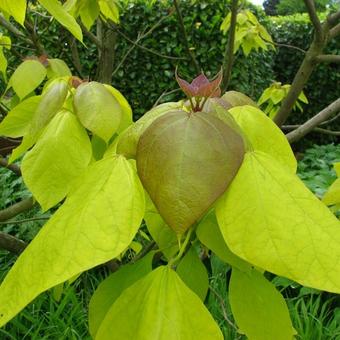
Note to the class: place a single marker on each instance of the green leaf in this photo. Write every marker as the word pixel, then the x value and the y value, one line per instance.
pixel 185 162
pixel 55 8
pixel 17 121
pixel 264 135
pixel 27 77
pixel 159 307
pixel 208 232
pixel 109 9
pixel 61 154
pixel 125 106
pixel 57 68
pixel 303 98
pixel 51 102
pixel 3 64
pixel 95 224
pixel 128 140
pixel 270 219
pixel 111 288
pixel 26 143
pixel 98 110
pixel 194 274
pixel 259 309
pixel 15 8
pixel 98 147
pixel 89 13
pixel 277 95
pixel 160 232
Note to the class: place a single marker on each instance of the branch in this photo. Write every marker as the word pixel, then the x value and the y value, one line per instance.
pixel 335 31
pixel 328 58
pixel 75 55
pixel 11 28
pixel 13 167
pixel 312 123
pixel 333 18
pixel 34 37
pixel 90 35
pixel 165 93
pixel 42 218
pixel 11 243
pixel 284 45
pixel 310 5
pixel 17 208
pixel 185 37
pixel 229 51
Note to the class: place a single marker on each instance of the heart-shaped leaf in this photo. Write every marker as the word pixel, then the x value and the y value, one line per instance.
pixel 186 161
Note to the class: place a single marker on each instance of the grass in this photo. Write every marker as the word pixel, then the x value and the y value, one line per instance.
pixel 315 315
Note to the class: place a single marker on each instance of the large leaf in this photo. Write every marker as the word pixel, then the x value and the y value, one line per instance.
pixel 159 307
pixel 185 162
pixel 55 8
pixel 95 224
pixel 109 9
pixel 97 109
pixel 17 121
pixel 57 68
pixel 332 196
pixel 61 154
pixel 193 273
pixel 51 102
pixel 264 134
pixel 89 13
pixel 128 140
pixel 208 232
pixel 27 77
pixel 235 98
pixel 15 8
pixel 109 290
pixel 269 218
pixel 259 309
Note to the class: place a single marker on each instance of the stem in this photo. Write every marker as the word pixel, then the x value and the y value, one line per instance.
pixel 229 51
pixel 12 167
pixel 11 243
pixel 16 209
pixel 182 248
pixel 185 37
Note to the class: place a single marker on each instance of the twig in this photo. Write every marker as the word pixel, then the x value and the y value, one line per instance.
pixel 11 28
pixel 312 123
pixel 11 243
pixel 75 55
pixel 284 45
pixel 34 37
pixel 140 36
pixel 17 208
pixel 26 220
pixel 328 58
pixel 229 51
pixel 145 48
pixel 13 167
pixel 185 37
pixel 223 307
pixel 326 122
pixel 150 246
pixel 165 93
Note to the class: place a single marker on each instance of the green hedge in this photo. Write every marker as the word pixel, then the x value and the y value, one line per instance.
pixel 143 77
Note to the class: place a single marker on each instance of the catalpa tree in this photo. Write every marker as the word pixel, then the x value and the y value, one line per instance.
pixel 210 172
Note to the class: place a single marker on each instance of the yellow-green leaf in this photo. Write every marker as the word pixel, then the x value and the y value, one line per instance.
pixel 332 196
pixel 26 143
pixel 89 13
pixel 209 234
pixel 193 273
pixel 98 110
pixel 17 121
pixel 51 102
pixel 55 8
pixel 264 134
pixel 270 219
pixel 57 68
pixel 95 224
pixel 109 9
pixel 159 307
pixel 260 311
pixel 126 108
pixel 60 155
pixel 110 289
pixel 27 77
pixel 15 8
